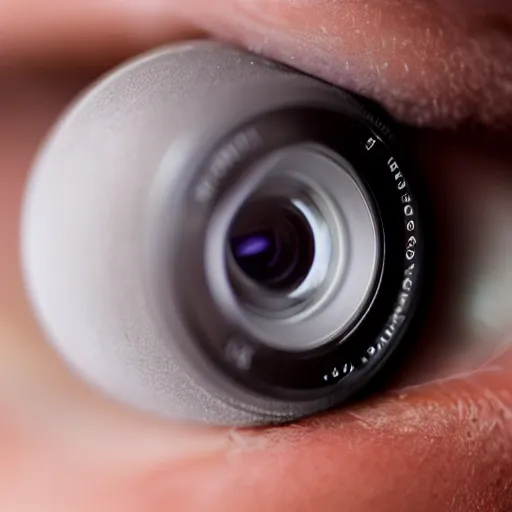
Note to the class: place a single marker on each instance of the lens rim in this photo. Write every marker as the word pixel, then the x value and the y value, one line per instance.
pixel 350 363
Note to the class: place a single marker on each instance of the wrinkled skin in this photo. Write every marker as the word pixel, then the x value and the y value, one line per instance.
pixel 441 444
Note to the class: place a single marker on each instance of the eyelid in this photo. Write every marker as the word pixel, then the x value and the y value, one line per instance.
pixel 383 452
pixel 424 61
pixel 426 65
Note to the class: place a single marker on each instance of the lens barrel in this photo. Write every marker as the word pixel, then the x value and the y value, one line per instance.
pixel 231 241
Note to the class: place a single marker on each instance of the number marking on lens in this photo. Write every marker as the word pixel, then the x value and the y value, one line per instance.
pixel 337 375
pixel 370 144
pixel 395 168
pixel 398 316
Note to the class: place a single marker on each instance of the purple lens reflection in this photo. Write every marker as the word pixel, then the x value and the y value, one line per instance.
pixel 252 246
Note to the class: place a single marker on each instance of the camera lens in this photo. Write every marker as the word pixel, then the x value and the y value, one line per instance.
pixel 258 246
pixel 272 243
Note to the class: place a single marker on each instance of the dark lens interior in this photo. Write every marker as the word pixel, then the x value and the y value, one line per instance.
pixel 273 244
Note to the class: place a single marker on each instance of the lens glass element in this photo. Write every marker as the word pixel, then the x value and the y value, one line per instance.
pixel 273 244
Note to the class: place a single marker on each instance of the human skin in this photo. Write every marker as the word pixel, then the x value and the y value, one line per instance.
pixel 442 444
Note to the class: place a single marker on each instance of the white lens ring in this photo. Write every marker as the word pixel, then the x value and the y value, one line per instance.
pixel 356 243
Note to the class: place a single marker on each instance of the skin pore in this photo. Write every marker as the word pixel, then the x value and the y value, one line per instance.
pixel 444 443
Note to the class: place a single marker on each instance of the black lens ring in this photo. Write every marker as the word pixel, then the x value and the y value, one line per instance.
pixel 349 362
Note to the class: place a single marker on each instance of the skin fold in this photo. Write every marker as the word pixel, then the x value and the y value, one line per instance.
pixel 440 440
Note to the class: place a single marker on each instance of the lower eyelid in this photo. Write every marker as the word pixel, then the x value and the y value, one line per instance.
pixel 385 452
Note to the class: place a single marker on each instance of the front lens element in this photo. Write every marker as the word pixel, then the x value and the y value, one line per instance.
pixel 273 245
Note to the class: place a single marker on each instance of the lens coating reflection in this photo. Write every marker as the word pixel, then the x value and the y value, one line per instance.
pixel 251 246
pixel 272 243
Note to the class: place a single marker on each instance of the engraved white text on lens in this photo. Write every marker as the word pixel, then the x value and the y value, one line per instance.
pixel 393 165
pixel 224 160
pixel 398 316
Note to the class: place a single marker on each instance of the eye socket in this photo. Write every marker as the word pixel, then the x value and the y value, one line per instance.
pixel 129 247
